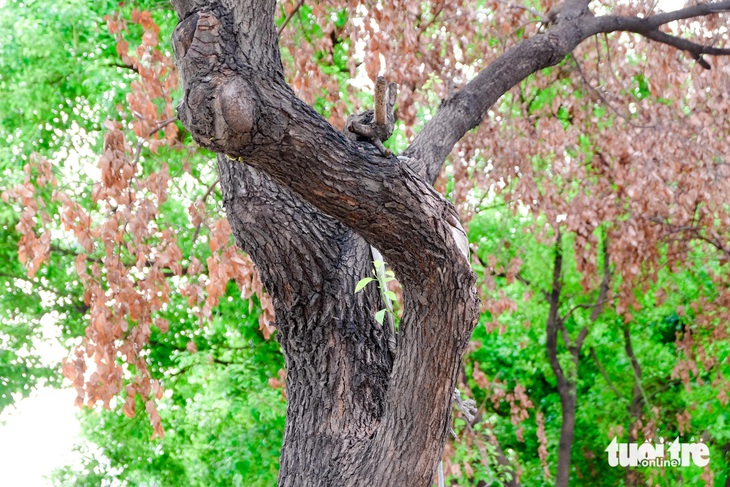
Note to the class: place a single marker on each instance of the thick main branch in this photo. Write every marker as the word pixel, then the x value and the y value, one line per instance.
pixel 574 24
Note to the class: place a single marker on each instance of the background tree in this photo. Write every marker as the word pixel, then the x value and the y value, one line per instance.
pixel 578 153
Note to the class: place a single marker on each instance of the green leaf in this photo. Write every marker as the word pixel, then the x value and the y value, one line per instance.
pixel 379 316
pixel 390 295
pixel 362 283
pixel 341 18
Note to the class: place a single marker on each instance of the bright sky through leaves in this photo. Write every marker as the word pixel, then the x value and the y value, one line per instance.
pixel 36 437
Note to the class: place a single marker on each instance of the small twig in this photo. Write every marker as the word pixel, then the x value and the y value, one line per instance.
pixel 649 28
pixel 141 142
pixel 38 284
pixel 699 10
pixel 579 342
pixel 428 24
pixel 486 266
pixel 605 375
pixel 610 67
pixel 603 98
pixel 72 253
pixel 210 189
pixel 131 67
pixel 522 26
pixel 205 197
pixel 598 56
pixel 605 282
pixel 582 306
pixel 635 367
pixel 652 9
pixel 694 49
pixel 288 17
pixel 564 333
pixel 534 12
pixel 162 125
pixel 696 232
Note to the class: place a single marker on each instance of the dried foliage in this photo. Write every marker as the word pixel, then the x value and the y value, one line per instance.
pixel 128 262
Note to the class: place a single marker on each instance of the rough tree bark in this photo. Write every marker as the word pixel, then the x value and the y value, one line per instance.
pixel 305 202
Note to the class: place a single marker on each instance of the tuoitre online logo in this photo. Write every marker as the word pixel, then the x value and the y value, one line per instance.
pixel 674 454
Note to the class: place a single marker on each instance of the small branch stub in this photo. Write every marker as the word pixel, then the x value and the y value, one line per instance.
pixel 377 125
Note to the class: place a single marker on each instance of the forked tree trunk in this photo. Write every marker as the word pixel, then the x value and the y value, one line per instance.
pixel 301 200
pixel 306 203
pixel 567 382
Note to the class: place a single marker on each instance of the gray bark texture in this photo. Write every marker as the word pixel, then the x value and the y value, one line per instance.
pixel 307 203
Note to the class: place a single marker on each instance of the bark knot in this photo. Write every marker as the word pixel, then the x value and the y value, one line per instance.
pixel 238 102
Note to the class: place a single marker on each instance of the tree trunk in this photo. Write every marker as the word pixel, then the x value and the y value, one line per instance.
pixel 567 384
pixel 336 354
pixel 306 203
pixel 566 387
pixel 636 409
pixel 567 435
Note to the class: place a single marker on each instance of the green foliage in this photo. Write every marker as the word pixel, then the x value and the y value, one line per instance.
pixel 61 78
pixel 46 309
pixel 59 75
pixel 641 90
pixel 382 277
pixel 223 422
pixel 509 349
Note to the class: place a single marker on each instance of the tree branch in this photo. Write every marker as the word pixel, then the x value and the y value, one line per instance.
pixel 564 331
pixel 81 307
pixel 600 95
pixel 605 283
pixel 289 17
pixel 699 10
pixel 466 109
pixel 695 232
pixel 531 10
pixel 203 199
pixel 605 375
pixel 553 322
pixel 422 28
pixel 649 28
pixel 579 342
pixel 635 367
pixel 141 142
pixel 518 276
